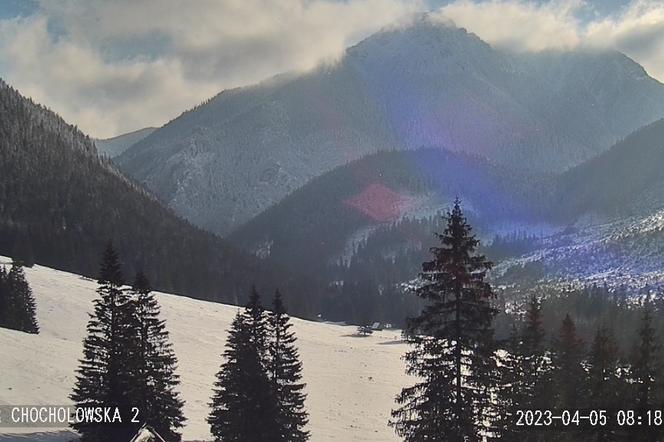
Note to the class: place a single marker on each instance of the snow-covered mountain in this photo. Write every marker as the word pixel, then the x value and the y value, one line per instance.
pixel 601 221
pixel 613 207
pixel 626 252
pixel 351 381
pixel 114 146
pixel 426 84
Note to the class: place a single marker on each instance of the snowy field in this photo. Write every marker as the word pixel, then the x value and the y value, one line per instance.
pixel 351 381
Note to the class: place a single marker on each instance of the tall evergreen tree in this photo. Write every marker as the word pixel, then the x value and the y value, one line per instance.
pixel 535 368
pixel 24 302
pixel 104 377
pixel 256 320
pixel 567 375
pixel 646 373
pixel 510 397
pixel 4 297
pixel 645 364
pixel 243 404
pixel 568 372
pixel 524 375
pixel 603 383
pixel 453 346
pixel 17 303
pixel 286 375
pixel 154 365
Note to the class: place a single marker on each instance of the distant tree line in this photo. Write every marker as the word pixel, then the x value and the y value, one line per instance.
pixel 368 286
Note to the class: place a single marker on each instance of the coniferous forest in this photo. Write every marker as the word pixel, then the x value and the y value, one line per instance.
pixel 470 384
pixel 60 202
pixel 528 386
pixel 431 221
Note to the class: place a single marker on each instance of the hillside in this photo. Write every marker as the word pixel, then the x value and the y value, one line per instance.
pixel 613 205
pixel 627 180
pixel 600 221
pixel 427 84
pixel 60 203
pixel 112 147
pixel 315 224
pixel 351 381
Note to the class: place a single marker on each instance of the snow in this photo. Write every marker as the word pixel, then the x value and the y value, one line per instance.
pixel 627 251
pixel 351 381
pixel 145 435
pixel 44 436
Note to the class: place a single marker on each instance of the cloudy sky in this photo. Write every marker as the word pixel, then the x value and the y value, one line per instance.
pixel 112 66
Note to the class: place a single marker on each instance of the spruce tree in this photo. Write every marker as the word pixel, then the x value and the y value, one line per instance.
pixel 104 377
pixel 17 303
pixel 453 349
pixel 510 396
pixel 603 384
pixel 256 320
pixel 567 371
pixel 154 365
pixel 567 376
pixel 535 368
pixel 645 364
pixel 4 298
pixel 24 317
pixel 645 374
pixel 243 404
pixel 524 375
pixel 286 375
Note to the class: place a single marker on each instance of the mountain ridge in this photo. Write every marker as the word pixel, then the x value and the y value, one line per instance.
pixel 427 84
pixel 60 202
pixel 115 146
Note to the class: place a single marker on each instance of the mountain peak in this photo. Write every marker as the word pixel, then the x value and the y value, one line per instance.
pixel 424 35
pixel 422 83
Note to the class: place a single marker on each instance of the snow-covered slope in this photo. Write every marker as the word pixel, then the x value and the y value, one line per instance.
pixel 627 252
pixel 351 381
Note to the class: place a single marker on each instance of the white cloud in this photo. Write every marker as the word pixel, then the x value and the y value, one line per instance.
pixel 637 30
pixel 115 66
pixel 517 25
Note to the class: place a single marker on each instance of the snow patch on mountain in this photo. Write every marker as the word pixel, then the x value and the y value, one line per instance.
pixel 627 252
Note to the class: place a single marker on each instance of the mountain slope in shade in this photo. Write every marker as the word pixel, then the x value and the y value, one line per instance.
pixel 627 180
pixel 61 202
pixel 427 84
pixel 314 224
pixel 351 382
pixel 613 205
pixel 112 147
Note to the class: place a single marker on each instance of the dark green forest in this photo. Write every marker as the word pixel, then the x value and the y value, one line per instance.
pixel 60 203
